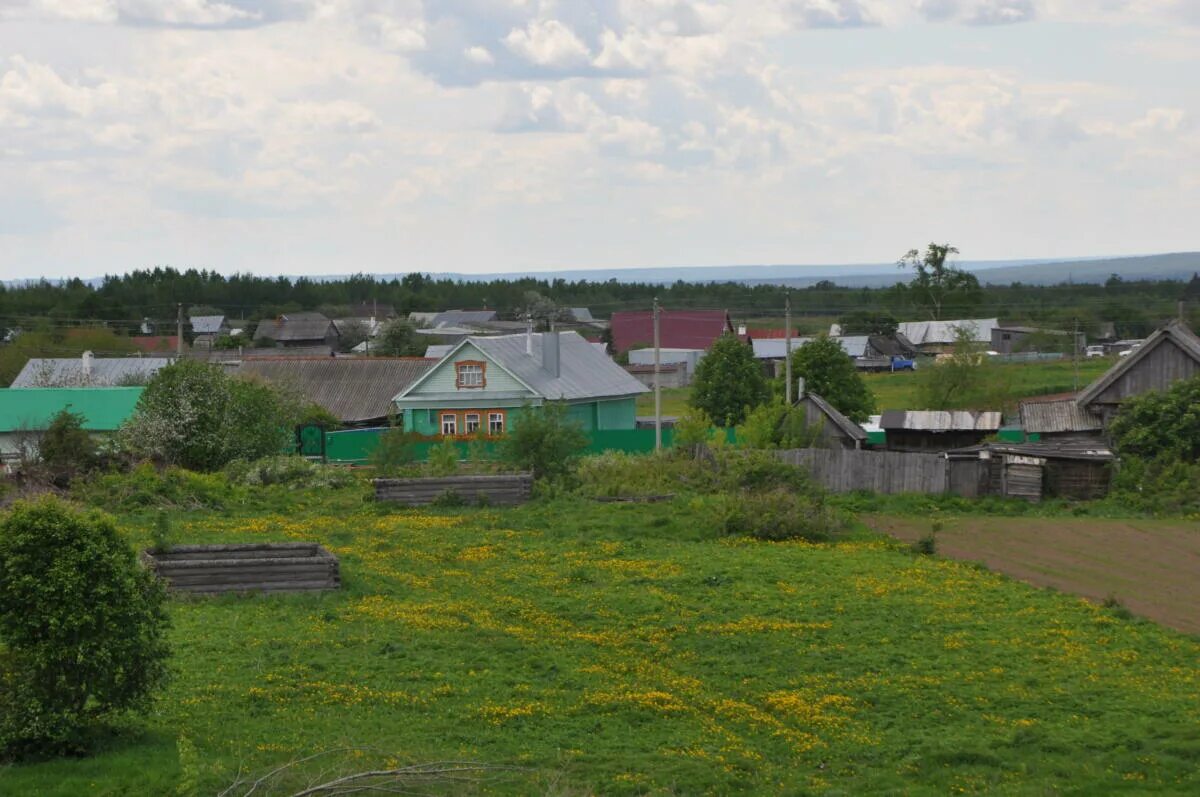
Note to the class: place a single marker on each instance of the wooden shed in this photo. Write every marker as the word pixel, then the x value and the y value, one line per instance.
pixel 837 431
pixel 1171 354
pixel 1072 469
pixel 937 430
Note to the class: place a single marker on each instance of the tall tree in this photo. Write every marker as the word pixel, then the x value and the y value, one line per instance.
pixel 830 373
pixel 729 382
pixel 936 283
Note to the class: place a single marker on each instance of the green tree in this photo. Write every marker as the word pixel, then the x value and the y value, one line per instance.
pixel 1161 424
pixel 937 285
pixel 65 448
pixel 399 338
pixel 827 371
pixel 965 380
pixel 729 382
pixel 83 626
pixel 868 322
pixel 544 441
pixel 194 415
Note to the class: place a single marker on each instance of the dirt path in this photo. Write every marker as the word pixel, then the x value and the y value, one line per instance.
pixel 1152 567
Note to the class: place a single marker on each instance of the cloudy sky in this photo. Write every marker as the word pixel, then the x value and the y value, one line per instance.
pixel 334 136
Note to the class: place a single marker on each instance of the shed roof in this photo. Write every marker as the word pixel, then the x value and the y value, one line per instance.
pixel 1047 449
pixel 941 420
pixel 1174 332
pixel 104 409
pixel 1063 415
pixel 452 318
pixel 206 324
pixel 678 329
pixel 776 348
pixel 294 326
pixel 438 350
pixel 105 371
pixel 923 332
pixel 582 315
pixel 847 426
pixel 353 389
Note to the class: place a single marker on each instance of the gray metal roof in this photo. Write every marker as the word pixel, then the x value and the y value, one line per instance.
pixel 105 372
pixel 922 332
pixel 776 348
pixel 584 371
pixel 581 314
pixel 1174 331
pixel 206 324
pixel 294 326
pixel 353 389
pixel 457 317
pixel 438 350
pixel 1048 417
pixel 1053 449
pixel 941 420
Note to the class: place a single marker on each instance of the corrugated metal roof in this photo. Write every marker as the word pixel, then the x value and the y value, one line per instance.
pixel 680 329
pixel 206 324
pixel 582 315
pixel 584 371
pixel 1049 449
pixel 452 318
pixel 941 420
pixel 353 389
pixel 776 348
pixel 105 371
pixel 1048 417
pixel 438 350
pixel 104 409
pixel 294 326
pixel 923 332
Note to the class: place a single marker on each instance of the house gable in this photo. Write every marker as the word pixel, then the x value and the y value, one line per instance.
pixel 443 380
pixel 1170 355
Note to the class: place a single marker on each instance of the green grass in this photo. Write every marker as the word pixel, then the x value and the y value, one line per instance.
pixel 674 401
pixel 628 649
pixel 898 391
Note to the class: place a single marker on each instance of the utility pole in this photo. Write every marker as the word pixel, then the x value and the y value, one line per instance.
pixel 657 384
pixel 179 329
pixel 1075 348
pixel 787 346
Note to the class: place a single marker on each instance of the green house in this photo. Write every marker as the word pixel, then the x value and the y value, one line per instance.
pixel 26 412
pixel 482 385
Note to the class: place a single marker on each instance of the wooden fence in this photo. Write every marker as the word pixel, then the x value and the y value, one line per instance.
pixel 493 489
pixel 254 567
pixel 844 470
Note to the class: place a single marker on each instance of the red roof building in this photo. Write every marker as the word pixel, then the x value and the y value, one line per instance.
pixel 155 343
pixel 678 329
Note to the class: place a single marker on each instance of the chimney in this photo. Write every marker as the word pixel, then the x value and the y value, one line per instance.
pixel 799 388
pixel 550 352
pixel 529 334
pixel 87 366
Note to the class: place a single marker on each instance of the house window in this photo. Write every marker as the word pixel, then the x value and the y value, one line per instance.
pixel 495 423
pixel 470 374
pixel 449 423
pixel 471 422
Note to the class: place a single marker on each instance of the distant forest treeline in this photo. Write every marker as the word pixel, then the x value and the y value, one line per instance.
pixel 122 302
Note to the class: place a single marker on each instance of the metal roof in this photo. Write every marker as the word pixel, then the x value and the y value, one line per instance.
pixel 294 326
pixel 104 409
pixel 1047 449
pixel 680 329
pixel 353 389
pixel 206 324
pixel 105 371
pixel 922 332
pixel 848 427
pixel 581 314
pixel 452 318
pixel 1064 415
pixel 584 371
pixel 941 420
pixel 1175 331
pixel 438 350
pixel 776 348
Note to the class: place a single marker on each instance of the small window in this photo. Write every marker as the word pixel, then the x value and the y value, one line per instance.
pixel 471 422
pixel 449 423
pixel 495 423
pixel 469 375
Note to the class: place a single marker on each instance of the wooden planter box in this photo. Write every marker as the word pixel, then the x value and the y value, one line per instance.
pixel 253 567
pixel 504 489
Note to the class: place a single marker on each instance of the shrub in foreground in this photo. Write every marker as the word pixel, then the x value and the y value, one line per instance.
pixel 146 487
pixel 544 441
pixel 83 627
pixel 290 470
pixel 780 514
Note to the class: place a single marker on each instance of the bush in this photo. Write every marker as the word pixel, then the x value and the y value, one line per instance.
pixel 193 415
pixel 1158 486
pixel 1161 425
pixel 443 458
pixel 147 487
pixel 288 469
pixel 544 442
pixel 618 473
pixel 83 625
pixel 396 450
pixel 66 449
pixel 780 514
pixel 776 425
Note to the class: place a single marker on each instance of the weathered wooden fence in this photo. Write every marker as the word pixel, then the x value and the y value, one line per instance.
pixel 844 470
pixel 493 489
pixel 254 567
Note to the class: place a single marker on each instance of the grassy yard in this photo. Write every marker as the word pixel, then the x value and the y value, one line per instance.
pixel 627 649
pixel 674 401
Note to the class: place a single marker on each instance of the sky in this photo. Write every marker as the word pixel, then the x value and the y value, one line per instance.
pixel 340 136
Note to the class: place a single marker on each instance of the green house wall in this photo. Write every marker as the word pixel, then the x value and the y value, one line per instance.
pixel 592 416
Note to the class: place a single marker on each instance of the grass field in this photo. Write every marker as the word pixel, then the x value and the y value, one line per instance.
pixel 674 401
pixel 627 649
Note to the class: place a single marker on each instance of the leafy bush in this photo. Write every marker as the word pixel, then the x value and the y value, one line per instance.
pixel 776 425
pixel 443 458
pixel 288 469
pixel 193 415
pixel 83 626
pixel 396 451
pixel 692 430
pixel 780 514
pixel 1158 486
pixel 544 441
pixel 146 487
pixel 1161 424
pixel 66 449
pixel 616 473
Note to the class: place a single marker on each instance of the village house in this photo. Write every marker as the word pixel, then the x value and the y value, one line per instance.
pixel 937 430
pixel 678 329
pixel 939 337
pixel 299 329
pixel 88 371
pixel 1011 339
pixel 206 329
pixel 483 384
pixel 25 414
pixel 1169 355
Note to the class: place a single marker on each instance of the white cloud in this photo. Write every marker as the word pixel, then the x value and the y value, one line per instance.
pixel 166 12
pixel 978 12
pixel 548 43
